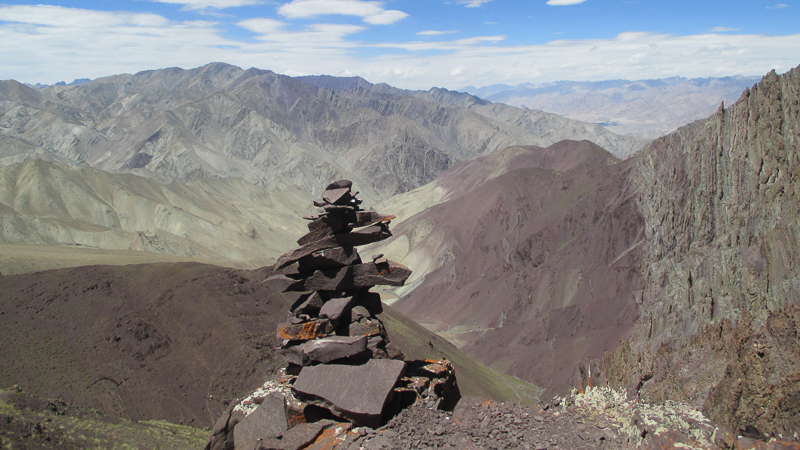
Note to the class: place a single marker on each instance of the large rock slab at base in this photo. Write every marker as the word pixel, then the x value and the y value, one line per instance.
pixel 332 348
pixel 357 393
pixel 267 421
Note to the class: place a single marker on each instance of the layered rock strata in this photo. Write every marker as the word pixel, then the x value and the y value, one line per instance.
pixel 340 363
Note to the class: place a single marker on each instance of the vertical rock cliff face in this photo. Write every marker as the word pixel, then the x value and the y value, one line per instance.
pixel 720 200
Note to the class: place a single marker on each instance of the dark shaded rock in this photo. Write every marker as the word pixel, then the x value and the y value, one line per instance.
pixel 355 392
pixel 335 308
pixel 305 331
pixel 299 437
pixel 221 436
pixel 368 235
pixel 330 258
pixel 339 196
pixel 332 348
pixel 392 352
pixel 294 355
pixel 267 421
pixel 371 301
pixel 351 277
pixel 326 225
pixel 308 304
pixel 339 208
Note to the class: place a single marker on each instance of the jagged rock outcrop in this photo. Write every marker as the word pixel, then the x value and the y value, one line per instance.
pixel 721 201
pixel 686 254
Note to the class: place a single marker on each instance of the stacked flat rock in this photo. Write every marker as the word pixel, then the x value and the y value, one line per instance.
pixel 332 340
pixel 340 363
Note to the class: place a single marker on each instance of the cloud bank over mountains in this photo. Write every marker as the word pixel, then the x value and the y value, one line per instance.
pixel 49 43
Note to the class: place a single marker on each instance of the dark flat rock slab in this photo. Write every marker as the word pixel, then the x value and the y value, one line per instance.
pixel 330 258
pixel 352 277
pixel 368 235
pixel 358 393
pixel 332 348
pixel 308 304
pixel 340 196
pixel 267 421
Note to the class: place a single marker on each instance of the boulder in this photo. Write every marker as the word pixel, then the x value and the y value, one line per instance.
pixel 267 421
pixel 340 184
pixel 357 393
pixel 332 348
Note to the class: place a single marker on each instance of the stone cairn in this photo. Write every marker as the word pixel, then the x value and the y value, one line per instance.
pixel 341 371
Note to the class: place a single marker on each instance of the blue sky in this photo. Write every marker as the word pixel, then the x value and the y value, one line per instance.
pixel 408 44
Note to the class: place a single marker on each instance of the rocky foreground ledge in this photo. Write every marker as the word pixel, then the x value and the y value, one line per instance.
pixel 600 418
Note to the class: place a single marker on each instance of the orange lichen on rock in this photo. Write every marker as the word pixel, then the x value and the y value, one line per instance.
pixel 302 332
pixel 332 438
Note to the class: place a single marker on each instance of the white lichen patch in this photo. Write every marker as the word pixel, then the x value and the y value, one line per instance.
pixel 251 402
pixel 638 421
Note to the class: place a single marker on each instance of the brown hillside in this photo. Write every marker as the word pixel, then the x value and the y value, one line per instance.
pixel 173 341
pixel 535 266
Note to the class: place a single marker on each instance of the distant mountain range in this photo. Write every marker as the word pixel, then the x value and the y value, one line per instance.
pixel 221 121
pixel 646 108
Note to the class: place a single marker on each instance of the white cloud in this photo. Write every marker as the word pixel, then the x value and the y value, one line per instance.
pixel 370 11
pixel 49 43
pixel 723 29
pixel 778 6
pixel 435 32
pixel 472 3
pixel 218 4
pixel 564 2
